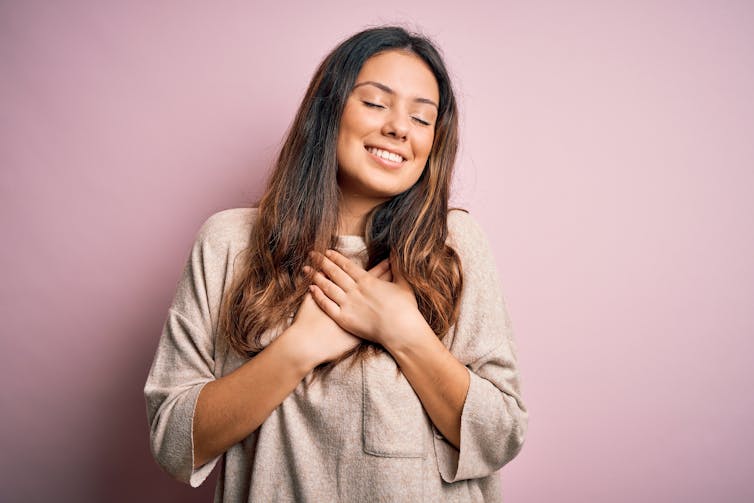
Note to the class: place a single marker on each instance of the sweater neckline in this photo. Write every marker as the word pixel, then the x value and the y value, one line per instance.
pixel 350 244
pixel 351 240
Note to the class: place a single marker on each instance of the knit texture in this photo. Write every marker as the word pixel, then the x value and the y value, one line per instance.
pixel 358 433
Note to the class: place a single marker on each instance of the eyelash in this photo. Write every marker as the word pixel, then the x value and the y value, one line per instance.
pixel 369 104
pixel 372 105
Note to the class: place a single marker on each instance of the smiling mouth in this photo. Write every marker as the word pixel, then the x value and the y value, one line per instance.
pixel 385 155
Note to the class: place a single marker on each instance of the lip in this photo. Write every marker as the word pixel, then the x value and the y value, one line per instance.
pixel 388 149
pixel 386 162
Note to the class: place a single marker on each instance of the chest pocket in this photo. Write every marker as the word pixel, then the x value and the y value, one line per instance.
pixel 394 422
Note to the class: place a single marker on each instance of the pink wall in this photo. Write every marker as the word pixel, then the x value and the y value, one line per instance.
pixel 608 150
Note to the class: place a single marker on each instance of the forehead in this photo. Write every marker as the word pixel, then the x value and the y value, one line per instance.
pixel 404 72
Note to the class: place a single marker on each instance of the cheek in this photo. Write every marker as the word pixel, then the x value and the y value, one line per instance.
pixel 345 140
pixel 354 120
pixel 345 127
pixel 425 145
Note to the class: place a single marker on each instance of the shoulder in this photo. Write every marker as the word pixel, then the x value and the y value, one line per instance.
pixel 469 241
pixel 227 227
pixel 464 233
pixel 483 317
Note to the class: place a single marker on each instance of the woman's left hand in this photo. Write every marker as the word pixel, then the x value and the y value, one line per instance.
pixel 379 310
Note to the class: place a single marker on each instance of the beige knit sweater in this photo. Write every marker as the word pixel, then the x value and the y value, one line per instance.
pixel 358 434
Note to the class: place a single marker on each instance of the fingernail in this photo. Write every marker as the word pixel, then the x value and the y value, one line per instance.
pixel 328 252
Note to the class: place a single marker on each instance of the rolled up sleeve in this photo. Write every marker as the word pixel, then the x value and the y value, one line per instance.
pixel 494 418
pixel 180 370
pixel 185 358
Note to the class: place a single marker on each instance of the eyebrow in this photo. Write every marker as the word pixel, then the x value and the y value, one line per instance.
pixel 388 90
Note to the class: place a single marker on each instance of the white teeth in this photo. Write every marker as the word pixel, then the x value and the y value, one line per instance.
pixel 385 154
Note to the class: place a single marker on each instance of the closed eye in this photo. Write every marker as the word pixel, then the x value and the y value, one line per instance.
pixel 372 105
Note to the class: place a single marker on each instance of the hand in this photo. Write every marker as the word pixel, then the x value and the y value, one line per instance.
pixel 366 304
pixel 321 335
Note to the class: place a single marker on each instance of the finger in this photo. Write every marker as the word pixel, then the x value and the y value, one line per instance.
pixel 330 308
pixel 333 291
pixel 333 271
pixel 349 266
pixel 380 268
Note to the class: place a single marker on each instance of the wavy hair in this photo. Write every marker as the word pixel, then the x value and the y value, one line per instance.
pixel 299 209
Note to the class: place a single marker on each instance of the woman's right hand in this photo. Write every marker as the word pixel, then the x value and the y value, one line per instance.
pixel 320 337
pixel 230 408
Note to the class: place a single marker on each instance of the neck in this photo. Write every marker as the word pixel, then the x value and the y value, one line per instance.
pixel 352 214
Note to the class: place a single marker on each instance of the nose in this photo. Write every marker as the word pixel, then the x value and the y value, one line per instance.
pixel 396 125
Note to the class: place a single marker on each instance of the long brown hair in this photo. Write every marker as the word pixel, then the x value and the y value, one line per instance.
pixel 299 209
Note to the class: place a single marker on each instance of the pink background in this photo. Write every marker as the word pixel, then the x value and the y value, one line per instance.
pixel 608 151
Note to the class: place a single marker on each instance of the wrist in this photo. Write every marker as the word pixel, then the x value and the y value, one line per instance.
pixel 410 331
pixel 298 350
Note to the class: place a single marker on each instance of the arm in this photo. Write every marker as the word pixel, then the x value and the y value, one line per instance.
pixel 232 407
pixel 193 415
pixel 438 378
pixel 386 312
pixel 494 418
pixel 480 414
pixel 189 408
pixel 184 362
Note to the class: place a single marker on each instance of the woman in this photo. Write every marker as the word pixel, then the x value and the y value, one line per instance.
pixel 346 340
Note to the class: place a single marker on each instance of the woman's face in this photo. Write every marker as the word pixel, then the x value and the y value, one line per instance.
pixel 387 127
